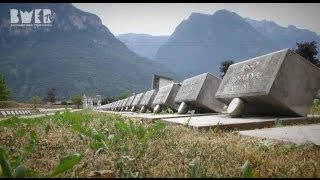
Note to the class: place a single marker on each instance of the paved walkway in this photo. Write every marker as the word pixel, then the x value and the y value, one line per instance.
pixel 39 115
pixel 296 134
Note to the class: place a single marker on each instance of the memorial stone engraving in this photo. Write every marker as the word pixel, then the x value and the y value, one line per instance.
pixel 281 83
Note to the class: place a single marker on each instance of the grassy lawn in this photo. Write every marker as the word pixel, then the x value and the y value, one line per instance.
pixel 91 144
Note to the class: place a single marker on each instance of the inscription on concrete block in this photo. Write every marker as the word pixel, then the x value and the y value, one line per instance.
pixel 198 93
pixel 281 83
pixel 166 96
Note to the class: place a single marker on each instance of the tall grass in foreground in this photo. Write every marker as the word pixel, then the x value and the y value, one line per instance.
pixel 89 144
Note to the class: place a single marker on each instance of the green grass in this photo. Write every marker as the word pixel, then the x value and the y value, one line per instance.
pixel 91 144
pixel 316 107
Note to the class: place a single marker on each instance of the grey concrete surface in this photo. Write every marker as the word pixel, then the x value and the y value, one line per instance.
pixel 296 134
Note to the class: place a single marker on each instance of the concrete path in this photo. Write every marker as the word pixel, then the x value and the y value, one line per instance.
pixel 224 121
pixel 296 134
pixel 151 116
pixel 40 115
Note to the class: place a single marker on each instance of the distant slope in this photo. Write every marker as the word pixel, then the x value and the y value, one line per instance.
pixel 76 55
pixel 284 36
pixel 202 41
pixel 143 44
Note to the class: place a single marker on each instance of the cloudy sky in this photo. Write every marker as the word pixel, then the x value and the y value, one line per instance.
pixel 162 18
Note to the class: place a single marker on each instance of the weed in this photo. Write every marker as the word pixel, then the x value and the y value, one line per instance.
pixel 265 145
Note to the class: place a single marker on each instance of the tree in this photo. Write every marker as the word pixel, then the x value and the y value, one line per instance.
pixel 224 67
pixel 35 100
pixel 64 103
pixel 77 100
pixel 308 50
pixel 51 97
pixel 123 95
pixel 107 100
pixel 4 90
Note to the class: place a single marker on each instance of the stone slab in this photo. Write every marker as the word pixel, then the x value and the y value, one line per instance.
pixel 224 121
pixel 130 100
pixel 3 113
pixel 198 93
pixel 166 96
pixel 281 83
pixel 148 99
pixel 296 134
pixel 117 104
pixel 124 102
pixel 151 116
pixel 137 100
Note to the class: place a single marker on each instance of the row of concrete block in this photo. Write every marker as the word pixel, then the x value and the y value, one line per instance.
pixel 14 113
pixel 281 83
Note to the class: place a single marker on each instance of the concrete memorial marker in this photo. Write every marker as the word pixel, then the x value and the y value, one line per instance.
pixel 117 105
pixel 146 101
pixel 114 105
pixel 3 113
pixel 84 102
pixel 136 102
pixel 197 93
pixel 165 97
pixel 123 105
pixel 129 102
pixel 281 83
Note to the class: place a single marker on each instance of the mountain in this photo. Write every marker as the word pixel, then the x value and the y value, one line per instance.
pixel 143 44
pixel 201 42
pixel 76 55
pixel 284 36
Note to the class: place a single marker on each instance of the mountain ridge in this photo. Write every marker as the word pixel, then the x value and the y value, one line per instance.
pixel 77 55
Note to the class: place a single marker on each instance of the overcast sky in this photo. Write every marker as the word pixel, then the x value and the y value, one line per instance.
pixel 163 18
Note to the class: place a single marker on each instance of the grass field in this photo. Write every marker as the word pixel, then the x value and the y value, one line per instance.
pixel 91 144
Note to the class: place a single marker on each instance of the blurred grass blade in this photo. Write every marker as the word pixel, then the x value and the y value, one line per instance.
pixel 66 163
pixel 47 129
pixel 5 165
pixel 20 172
pixel 33 136
pixel 247 170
